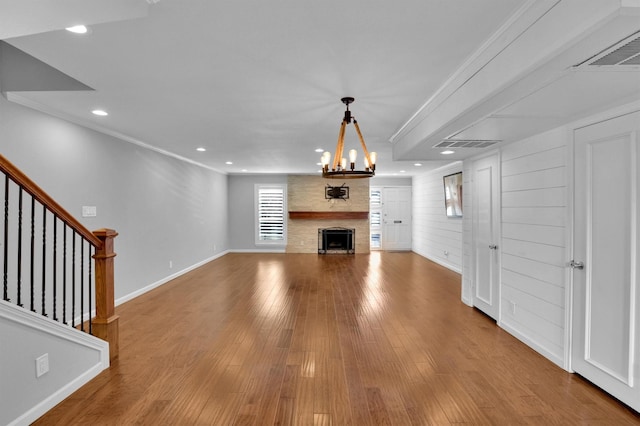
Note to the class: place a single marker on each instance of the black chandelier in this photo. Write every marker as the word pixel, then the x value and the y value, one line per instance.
pixel 339 168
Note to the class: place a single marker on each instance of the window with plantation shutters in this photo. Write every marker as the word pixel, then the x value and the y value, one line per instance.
pixel 271 214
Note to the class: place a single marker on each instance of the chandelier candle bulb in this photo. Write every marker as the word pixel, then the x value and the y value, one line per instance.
pixel 325 160
pixel 343 163
pixel 352 158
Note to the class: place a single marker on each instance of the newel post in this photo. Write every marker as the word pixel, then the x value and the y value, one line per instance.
pixel 105 324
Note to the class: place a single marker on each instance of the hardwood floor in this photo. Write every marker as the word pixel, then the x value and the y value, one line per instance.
pixel 299 339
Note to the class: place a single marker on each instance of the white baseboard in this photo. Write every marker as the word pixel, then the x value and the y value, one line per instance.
pixel 513 330
pixel 54 329
pixel 165 280
pixel 60 395
pixel 439 262
pixel 271 250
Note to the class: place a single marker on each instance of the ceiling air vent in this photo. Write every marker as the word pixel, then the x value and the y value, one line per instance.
pixel 624 53
pixel 465 143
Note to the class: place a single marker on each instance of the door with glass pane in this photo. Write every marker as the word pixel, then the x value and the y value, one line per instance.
pixel 390 218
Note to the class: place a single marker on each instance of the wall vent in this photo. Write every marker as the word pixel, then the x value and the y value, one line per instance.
pixel 465 143
pixel 624 53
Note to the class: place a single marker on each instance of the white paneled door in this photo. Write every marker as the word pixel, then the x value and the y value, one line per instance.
pixel 396 218
pixel 606 295
pixel 486 234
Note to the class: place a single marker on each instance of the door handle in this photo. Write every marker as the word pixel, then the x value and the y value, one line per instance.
pixel 493 247
pixel 576 265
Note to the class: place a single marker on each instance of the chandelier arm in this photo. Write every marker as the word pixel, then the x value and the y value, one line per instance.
pixel 340 146
pixel 364 146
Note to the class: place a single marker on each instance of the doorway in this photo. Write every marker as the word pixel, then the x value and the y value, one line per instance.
pixel 605 345
pixel 486 234
pixel 390 218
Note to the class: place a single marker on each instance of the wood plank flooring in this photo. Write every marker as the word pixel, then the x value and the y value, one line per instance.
pixel 300 339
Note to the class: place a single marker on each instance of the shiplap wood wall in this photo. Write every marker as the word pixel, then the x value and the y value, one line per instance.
pixel 534 232
pixel 433 232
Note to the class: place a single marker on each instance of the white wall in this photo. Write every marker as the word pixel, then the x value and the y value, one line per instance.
pixel 433 232
pixel 74 359
pixel 534 232
pixel 164 209
pixel 242 211
pixel 533 247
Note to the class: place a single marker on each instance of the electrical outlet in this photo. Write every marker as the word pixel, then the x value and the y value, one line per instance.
pixel 446 253
pixel 170 264
pixel 42 365
pixel 512 308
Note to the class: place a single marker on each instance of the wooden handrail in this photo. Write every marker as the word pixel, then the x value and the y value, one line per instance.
pixel 105 324
pixel 42 197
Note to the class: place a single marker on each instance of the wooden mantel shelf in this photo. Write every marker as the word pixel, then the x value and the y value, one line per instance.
pixel 328 215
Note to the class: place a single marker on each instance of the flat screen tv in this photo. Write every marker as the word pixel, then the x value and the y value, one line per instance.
pixel 453 194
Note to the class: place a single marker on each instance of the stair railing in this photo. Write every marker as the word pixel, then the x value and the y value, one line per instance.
pixel 53 265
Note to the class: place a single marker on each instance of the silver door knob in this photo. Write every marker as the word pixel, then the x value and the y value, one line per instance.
pixel 493 246
pixel 576 265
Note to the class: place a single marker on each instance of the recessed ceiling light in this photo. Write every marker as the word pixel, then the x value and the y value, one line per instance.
pixel 318 164
pixel 447 152
pixel 244 170
pixel 417 164
pixel 77 29
pixel 229 162
pixel 403 171
pixel 201 149
pixel 100 112
pixel 319 150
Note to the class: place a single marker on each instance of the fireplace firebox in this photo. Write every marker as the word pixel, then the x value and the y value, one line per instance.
pixel 336 241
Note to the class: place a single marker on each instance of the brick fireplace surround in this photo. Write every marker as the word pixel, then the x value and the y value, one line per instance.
pixel 309 211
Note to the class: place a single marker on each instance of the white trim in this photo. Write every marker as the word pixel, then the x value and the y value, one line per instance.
pixel 165 280
pixel 256 235
pixel 633 308
pixel 439 262
pixel 569 250
pixel 46 325
pixel 57 397
pixel 24 317
pixel 266 250
pixel 21 100
pixel 513 330
pixel 469 68
pixel 437 170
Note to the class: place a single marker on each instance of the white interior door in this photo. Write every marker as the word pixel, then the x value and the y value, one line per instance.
pixel 486 234
pixel 605 335
pixel 396 218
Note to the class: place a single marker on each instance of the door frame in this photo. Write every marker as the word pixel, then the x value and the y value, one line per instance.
pixel 570 251
pixel 382 188
pixel 498 207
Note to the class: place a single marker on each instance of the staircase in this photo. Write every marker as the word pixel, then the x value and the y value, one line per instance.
pixel 57 294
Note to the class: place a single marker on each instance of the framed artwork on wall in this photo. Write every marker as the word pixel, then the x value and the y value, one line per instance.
pixel 453 194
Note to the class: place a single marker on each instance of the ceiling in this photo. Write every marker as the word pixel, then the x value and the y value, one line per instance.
pixel 259 83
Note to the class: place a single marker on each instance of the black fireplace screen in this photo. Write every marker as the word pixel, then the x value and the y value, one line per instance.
pixel 336 241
